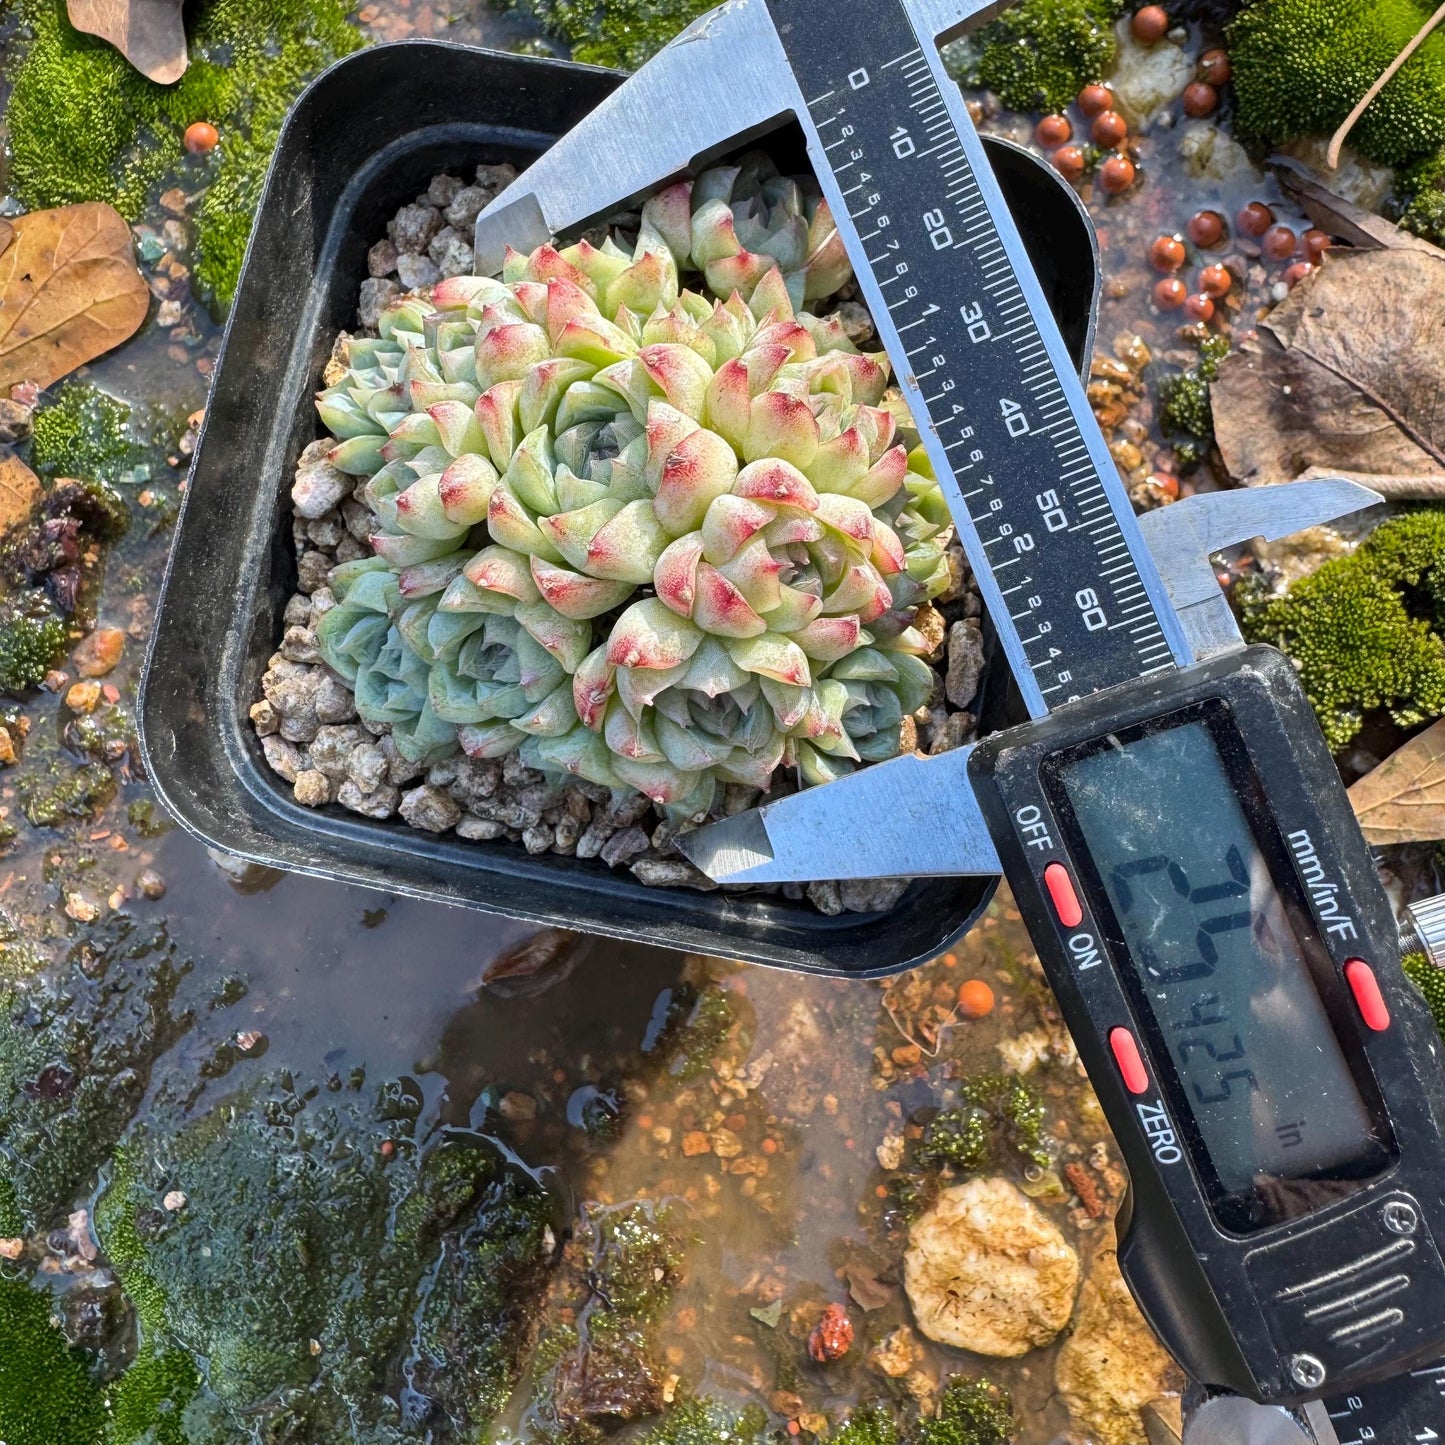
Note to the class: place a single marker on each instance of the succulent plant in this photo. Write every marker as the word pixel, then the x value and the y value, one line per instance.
pixel 651 536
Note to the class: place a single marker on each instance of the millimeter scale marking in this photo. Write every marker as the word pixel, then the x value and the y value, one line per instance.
pixel 1001 411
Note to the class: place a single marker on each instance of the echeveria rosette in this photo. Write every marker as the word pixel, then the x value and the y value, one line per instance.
pixel 635 529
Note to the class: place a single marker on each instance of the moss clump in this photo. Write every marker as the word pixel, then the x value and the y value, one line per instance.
pixel 1184 402
pixel 1364 629
pixel 46 1396
pixel 1300 66
pixel 85 126
pixel 1430 981
pixel 85 432
pixel 57 792
pixel 145 1404
pixel 699 1421
pixel 871 1425
pixel 1039 54
pixel 994 1111
pixel 32 636
pixel 970 1412
pixel 619 33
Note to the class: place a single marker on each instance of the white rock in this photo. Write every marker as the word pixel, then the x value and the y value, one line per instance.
pixel 1147 78
pixel 986 1270
pixel 1208 154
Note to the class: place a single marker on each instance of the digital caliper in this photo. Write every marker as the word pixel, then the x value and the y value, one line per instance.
pixel 1170 820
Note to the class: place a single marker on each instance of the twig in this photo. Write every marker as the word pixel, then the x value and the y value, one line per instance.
pixel 1338 139
pixel 944 1025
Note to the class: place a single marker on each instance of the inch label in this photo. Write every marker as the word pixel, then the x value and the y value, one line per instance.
pixel 1073 596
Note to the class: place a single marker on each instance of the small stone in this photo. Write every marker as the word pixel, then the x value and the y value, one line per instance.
pixel 466 206
pixel 83 697
pixel 339 362
pixel 671 873
pixel 480 830
pixel 377 293
pixel 175 201
pixel 695 1142
pixel 366 767
pixel 826 897
pixel 318 486
pixel 415 272
pixel 169 313
pixel 284 757
pixel 8 756
pixel 150 883
pixel 832 1336
pixel 11 1248
pixel 331 748
pixel 173 1201
pixel 496 178
pixel 413 227
pixel 451 252
pixel 334 701
pixel 399 770
pixel 312 788
pixel 430 808
pixel 264 718
pixel 517 1108
pixel 298 644
pixel 298 611
pixel 443 190
pixel 538 838
pixel 965 662
pixel 378 802
pixel 81 908
pixel 955 730
pixel 857 323
pixel 871 895
pixel 725 1143
pixel 100 652
pixel 381 259
pixel 312 571
pixel 623 846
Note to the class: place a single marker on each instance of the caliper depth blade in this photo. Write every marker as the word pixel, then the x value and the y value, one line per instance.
pixel 913 816
pixel 1059 558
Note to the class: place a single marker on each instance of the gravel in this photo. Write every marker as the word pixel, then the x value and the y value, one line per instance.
pixel 306 718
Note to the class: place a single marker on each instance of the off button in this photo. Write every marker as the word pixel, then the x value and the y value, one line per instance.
pixel 1062 895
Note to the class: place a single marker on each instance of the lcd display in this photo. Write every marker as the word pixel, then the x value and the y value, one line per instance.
pixel 1218 965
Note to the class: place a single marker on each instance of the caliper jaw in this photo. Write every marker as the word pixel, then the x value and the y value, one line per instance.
pixel 719 84
pixel 917 816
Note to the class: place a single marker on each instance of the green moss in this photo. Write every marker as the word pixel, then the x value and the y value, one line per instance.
pixel 145 1404
pixel 620 33
pixel 46 1396
pixel 58 791
pixel 85 126
pixel 12 1221
pixel 1184 410
pixel 1430 981
pixel 871 1425
pixel 994 1111
pixel 32 636
pixel 1299 67
pixel 1039 54
pixel 970 1412
pixel 115 1223
pixel 85 432
pixel 703 1031
pixel 20 955
pixel 1423 195
pixel 700 1421
pixel 1361 628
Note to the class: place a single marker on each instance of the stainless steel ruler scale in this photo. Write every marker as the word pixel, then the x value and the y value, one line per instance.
pixel 1073 593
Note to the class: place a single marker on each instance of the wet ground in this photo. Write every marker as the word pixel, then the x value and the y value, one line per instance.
pixel 771 1145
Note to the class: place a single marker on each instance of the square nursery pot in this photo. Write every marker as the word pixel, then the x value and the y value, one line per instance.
pixel 364 138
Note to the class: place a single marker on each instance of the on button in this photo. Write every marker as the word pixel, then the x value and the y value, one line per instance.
pixel 1061 892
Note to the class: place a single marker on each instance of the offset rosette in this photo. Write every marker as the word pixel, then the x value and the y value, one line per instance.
pixel 653 536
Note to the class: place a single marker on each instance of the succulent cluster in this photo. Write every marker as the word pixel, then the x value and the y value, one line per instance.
pixel 651 536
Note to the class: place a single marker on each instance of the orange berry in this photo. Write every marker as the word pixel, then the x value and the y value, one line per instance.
pixel 1109 129
pixel 1206 228
pixel 1150 24
pixel 1095 99
pixel 1053 130
pixel 975 999
pixel 1198 307
pixel 1295 274
pixel 1069 162
pixel 1255 219
pixel 1278 243
pixel 1116 175
pixel 1169 293
pixel 201 137
pixel 1164 484
pixel 1199 99
pixel 1315 243
pixel 1215 281
pixel 1214 67
pixel 1167 253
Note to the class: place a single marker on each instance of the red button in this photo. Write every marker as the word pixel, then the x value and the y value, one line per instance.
pixel 1061 890
pixel 1368 998
pixel 1131 1066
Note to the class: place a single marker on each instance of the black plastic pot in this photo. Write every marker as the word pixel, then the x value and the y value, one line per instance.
pixel 363 139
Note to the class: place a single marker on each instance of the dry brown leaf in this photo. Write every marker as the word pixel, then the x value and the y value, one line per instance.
pixel 148 33
pixel 1403 800
pixel 1342 218
pixel 19 488
pixel 69 290
pixel 7 233
pixel 1344 376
